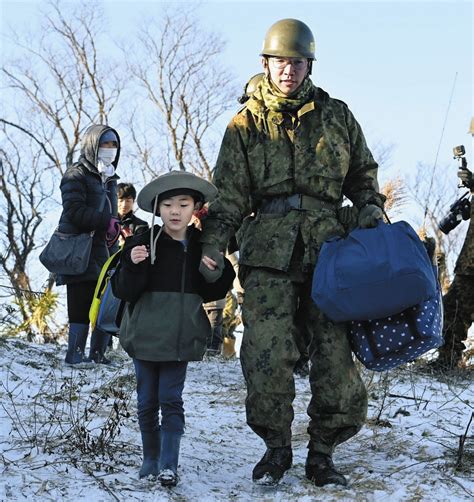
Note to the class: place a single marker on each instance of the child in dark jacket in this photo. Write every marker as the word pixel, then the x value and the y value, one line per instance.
pixel 164 326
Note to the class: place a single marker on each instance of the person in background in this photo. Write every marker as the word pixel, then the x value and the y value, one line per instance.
pixel 89 203
pixel 289 156
pixel 458 302
pixel 222 313
pixel 164 325
pixel 129 222
pixel 250 87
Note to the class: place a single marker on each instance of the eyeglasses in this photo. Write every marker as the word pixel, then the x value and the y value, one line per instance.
pixel 297 63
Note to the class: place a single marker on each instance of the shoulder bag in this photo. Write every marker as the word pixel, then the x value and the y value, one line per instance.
pixel 68 254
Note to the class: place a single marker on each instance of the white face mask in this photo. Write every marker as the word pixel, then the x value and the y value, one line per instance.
pixel 107 155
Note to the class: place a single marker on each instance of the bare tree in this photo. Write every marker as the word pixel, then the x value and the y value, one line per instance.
pixel 23 197
pixel 434 194
pixel 60 81
pixel 185 81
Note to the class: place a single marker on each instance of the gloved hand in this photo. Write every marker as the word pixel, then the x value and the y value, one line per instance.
pixel 348 216
pixel 213 253
pixel 465 175
pixel 113 231
pixel 369 216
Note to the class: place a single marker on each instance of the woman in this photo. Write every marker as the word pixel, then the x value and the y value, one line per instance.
pixel 89 200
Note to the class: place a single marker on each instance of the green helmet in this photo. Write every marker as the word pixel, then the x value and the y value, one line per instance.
pixel 289 38
pixel 471 129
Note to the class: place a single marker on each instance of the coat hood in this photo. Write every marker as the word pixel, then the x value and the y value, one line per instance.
pixel 90 145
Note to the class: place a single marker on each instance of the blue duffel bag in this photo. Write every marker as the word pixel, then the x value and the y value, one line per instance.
pixel 382 344
pixel 373 273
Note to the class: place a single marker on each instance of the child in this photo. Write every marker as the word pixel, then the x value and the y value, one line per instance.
pixel 164 325
pixel 129 222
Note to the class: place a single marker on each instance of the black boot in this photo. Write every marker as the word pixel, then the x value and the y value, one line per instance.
pixel 151 453
pixel 272 466
pixel 321 471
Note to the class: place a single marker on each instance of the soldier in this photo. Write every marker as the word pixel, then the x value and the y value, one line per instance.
pixel 458 302
pixel 289 156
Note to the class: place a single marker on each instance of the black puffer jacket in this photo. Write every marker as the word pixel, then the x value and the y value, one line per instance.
pixel 165 320
pixel 88 203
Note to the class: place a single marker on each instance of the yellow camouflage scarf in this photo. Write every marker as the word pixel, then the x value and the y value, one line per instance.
pixel 274 100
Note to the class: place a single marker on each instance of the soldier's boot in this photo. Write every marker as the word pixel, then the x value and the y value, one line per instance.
pixel 151 454
pixel 321 471
pixel 272 466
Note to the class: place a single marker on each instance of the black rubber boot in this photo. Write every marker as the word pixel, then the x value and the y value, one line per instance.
pixel 151 454
pixel 321 471
pixel 272 466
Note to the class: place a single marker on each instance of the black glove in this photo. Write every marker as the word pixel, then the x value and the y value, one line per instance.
pixel 213 253
pixel 369 216
pixel 465 175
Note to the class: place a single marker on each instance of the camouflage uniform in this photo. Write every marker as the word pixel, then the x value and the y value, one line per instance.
pixel 317 150
pixel 458 302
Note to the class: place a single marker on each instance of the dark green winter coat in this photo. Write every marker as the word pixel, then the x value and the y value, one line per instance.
pixel 164 319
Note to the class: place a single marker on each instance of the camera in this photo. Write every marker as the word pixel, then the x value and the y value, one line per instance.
pixel 459 151
pixel 460 210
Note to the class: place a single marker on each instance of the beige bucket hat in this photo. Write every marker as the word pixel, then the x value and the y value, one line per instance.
pixel 172 181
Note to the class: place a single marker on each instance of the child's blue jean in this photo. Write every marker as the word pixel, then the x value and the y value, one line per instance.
pixel 160 385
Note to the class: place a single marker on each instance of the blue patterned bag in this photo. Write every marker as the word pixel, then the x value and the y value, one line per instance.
pixel 382 344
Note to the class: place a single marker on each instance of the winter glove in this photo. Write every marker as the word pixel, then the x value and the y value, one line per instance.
pixel 465 175
pixel 369 216
pixel 113 231
pixel 213 253
pixel 347 216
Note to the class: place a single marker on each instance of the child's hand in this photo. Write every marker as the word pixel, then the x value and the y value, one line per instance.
pixel 138 254
pixel 212 263
pixel 209 262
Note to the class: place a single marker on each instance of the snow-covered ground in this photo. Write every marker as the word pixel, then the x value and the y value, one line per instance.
pixel 73 435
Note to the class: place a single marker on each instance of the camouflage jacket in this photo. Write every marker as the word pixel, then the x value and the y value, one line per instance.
pixel 319 151
pixel 465 263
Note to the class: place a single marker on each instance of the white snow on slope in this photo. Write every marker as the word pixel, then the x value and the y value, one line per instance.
pixel 407 451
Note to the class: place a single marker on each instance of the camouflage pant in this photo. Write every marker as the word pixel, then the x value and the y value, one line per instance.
pixel 338 406
pixel 458 305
